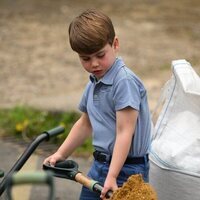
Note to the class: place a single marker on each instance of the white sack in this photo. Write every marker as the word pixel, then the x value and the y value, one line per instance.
pixel 175 151
pixel 174 185
pixel 176 141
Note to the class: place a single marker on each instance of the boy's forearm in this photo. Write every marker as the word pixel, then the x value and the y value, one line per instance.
pixel 79 132
pixel 120 153
pixel 73 141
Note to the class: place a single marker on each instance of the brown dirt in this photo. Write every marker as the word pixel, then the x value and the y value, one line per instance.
pixel 38 68
pixel 135 189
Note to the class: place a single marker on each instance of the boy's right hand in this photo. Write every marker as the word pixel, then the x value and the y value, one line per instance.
pixel 51 160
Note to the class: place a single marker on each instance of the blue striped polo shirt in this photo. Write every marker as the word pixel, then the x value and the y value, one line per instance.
pixel 119 88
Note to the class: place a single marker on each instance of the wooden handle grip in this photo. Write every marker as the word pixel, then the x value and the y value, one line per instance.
pixel 91 184
pixel 84 180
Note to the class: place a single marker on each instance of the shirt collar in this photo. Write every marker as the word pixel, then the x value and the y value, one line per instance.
pixel 108 78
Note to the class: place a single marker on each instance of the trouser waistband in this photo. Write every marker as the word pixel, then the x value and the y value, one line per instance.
pixel 102 157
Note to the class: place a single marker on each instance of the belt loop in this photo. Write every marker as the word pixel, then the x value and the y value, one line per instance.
pixel 146 158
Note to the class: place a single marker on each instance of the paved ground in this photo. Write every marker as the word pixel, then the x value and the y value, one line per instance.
pixel 65 189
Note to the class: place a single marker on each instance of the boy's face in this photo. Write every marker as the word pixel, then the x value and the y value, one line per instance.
pixel 100 62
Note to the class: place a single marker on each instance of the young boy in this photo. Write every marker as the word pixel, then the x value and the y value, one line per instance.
pixel 114 108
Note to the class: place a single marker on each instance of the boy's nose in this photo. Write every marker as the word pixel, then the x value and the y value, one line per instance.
pixel 94 63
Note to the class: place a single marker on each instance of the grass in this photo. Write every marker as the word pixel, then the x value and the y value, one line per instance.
pixel 26 123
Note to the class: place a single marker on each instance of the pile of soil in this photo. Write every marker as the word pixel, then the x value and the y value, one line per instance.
pixel 135 189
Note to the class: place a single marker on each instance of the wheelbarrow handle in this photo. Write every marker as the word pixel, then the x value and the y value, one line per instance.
pixel 55 131
pixel 31 177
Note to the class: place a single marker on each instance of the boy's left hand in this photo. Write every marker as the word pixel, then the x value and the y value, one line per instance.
pixel 110 184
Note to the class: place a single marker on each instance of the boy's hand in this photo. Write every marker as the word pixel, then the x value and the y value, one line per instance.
pixel 110 184
pixel 51 160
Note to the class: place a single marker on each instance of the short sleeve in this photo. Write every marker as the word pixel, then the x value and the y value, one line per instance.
pixel 83 103
pixel 127 94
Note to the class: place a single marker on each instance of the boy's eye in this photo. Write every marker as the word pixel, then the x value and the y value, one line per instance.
pixel 85 58
pixel 101 55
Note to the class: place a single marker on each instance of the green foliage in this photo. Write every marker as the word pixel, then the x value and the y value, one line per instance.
pixel 26 123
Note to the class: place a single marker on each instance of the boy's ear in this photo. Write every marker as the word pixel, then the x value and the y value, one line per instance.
pixel 116 43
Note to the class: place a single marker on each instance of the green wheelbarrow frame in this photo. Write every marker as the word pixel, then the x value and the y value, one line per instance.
pixel 46 135
pixel 1 173
pixel 31 177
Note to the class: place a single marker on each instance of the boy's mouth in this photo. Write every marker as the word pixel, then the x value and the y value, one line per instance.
pixel 97 72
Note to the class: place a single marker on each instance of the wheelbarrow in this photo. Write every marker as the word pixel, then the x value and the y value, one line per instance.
pixel 46 135
pixel 31 177
pixel 68 169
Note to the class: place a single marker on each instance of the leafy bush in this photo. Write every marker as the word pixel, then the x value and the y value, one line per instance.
pixel 27 123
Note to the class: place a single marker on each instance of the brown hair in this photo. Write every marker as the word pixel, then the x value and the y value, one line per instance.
pixel 90 32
